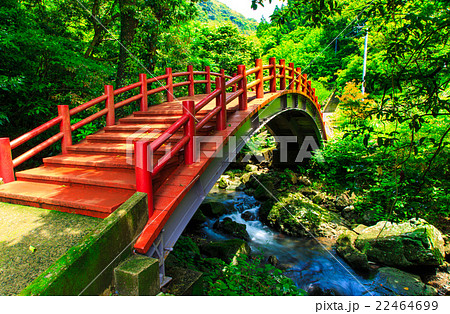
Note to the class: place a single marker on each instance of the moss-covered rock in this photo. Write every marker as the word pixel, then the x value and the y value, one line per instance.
pixel 232 228
pixel 345 247
pixel 391 281
pixel 213 209
pixel 296 215
pixel 413 243
pixel 225 250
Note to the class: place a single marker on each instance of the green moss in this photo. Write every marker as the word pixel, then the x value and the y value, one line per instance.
pixel 50 233
pixel 87 267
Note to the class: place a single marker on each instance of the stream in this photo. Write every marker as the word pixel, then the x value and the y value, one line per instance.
pixel 313 264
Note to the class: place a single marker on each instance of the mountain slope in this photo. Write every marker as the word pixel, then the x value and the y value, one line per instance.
pixel 215 12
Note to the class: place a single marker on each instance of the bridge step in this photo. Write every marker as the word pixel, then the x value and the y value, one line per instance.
pixel 130 128
pixel 113 148
pixel 122 137
pixel 73 176
pixel 149 120
pixel 89 160
pixel 98 161
pixel 96 202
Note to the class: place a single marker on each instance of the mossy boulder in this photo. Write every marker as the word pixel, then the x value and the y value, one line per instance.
pixel 412 243
pixel 225 250
pixel 213 209
pixel 345 247
pixel 400 283
pixel 232 228
pixel 295 215
pixel 251 168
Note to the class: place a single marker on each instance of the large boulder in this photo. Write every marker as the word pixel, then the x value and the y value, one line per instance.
pixel 345 247
pixel 230 227
pixel 412 243
pixel 296 215
pixel 391 281
pixel 225 250
pixel 213 209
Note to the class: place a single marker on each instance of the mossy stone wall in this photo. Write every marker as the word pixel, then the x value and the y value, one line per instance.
pixel 87 268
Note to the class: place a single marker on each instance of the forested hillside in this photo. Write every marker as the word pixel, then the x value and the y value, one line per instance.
pixel 218 13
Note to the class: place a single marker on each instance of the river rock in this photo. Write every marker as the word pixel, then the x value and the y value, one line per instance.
pixel 440 281
pixel 213 209
pixel 392 281
pixel 304 180
pixel 343 201
pixel 251 168
pixel 345 247
pixel 296 215
pixel 224 182
pixel 412 243
pixel 225 250
pixel 248 215
pixel 230 227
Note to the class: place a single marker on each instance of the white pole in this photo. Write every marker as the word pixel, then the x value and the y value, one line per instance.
pixel 365 61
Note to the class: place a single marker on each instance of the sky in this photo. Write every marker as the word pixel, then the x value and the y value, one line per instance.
pixel 244 7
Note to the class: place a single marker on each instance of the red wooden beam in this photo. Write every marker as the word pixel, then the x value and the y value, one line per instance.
pixel 242 85
pixel 144 99
pixel 65 128
pixel 283 74
pixel 191 80
pixel 169 83
pixel 208 79
pixel 189 131
pixel 6 163
pixel 143 171
pixel 260 77
pixel 221 102
pixel 110 117
pixel 291 75
pixel 273 74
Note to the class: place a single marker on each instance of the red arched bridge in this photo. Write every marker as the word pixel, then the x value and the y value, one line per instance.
pixel 174 151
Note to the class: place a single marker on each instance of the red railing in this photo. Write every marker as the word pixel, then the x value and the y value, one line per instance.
pixel 287 78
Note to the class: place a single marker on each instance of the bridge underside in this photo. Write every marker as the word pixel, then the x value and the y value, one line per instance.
pixel 289 116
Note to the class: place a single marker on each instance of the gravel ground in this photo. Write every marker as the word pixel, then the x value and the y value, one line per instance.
pixel 31 239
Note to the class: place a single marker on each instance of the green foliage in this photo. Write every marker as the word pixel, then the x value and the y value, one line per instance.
pixel 225 48
pixel 249 276
pixel 216 13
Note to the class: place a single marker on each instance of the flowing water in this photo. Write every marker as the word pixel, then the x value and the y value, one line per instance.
pixel 312 263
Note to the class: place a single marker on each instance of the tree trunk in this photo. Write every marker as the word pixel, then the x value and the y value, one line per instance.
pixel 128 25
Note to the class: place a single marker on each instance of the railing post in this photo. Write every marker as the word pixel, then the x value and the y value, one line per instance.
pixel 6 163
pixel 143 172
pixel 208 79
pixel 144 99
pixel 190 69
pixel 64 127
pixel 221 101
pixel 299 80
pixel 111 116
pixel 260 77
pixel 189 130
pixel 169 83
pixel 309 89
pixel 234 87
pixel 304 82
pixel 242 85
pixel 283 74
pixel 292 75
pixel 273 73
